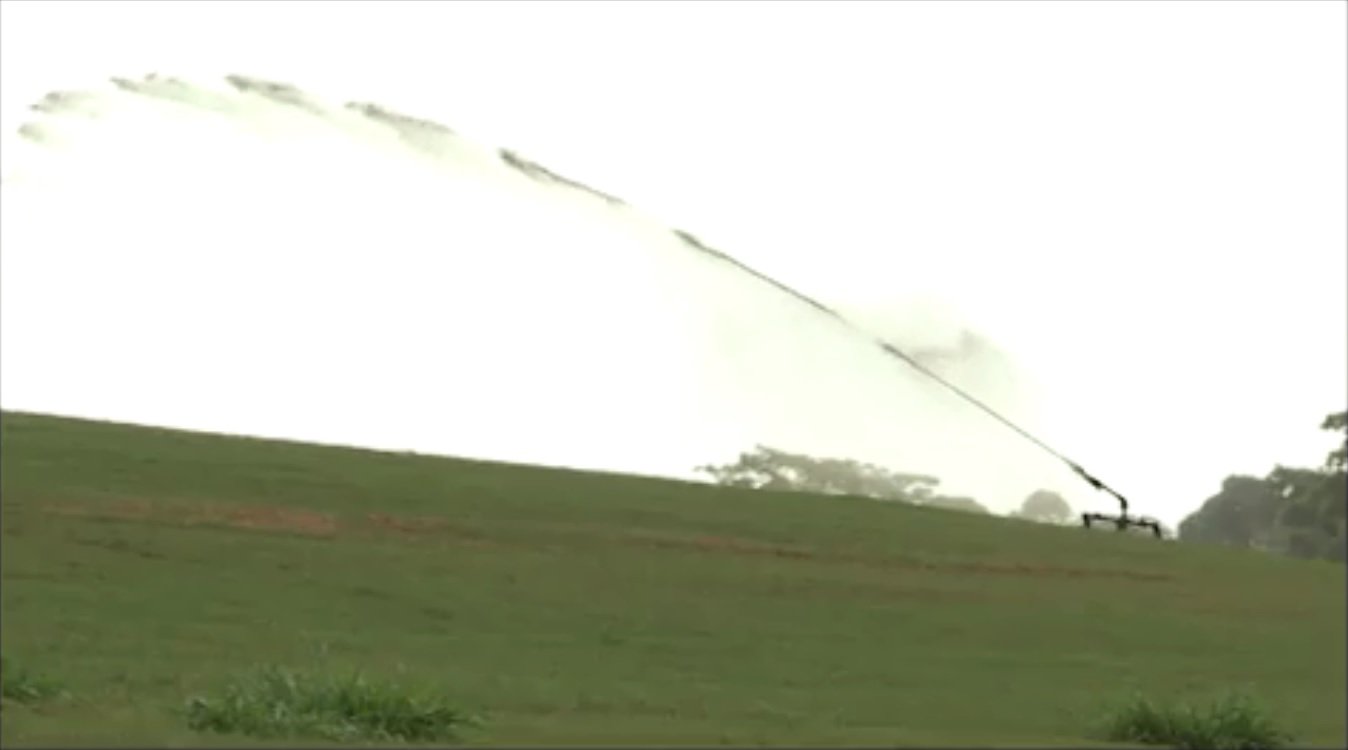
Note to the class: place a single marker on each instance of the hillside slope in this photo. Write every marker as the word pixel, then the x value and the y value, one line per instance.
pixel 142 566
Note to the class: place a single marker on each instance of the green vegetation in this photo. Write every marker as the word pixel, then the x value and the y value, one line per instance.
pixel 22 686
pixel 274 702
pixel 1298 512
pixel 144 567
pixel 1231 722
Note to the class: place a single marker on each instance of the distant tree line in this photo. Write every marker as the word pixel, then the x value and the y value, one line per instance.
pixel 766 468
pixel 1292 511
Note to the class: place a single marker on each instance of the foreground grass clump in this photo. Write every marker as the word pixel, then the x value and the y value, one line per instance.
pixel 1231 722
pixel 22 686
pixel 275 702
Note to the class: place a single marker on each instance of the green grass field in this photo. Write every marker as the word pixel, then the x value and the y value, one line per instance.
pixel 143 567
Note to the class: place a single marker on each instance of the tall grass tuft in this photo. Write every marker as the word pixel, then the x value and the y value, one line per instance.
pixel 273 702
pixel 1231 722
pixel 22 686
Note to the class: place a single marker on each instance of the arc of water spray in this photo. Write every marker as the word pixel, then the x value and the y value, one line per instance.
pixel 899 354
pixel 287 95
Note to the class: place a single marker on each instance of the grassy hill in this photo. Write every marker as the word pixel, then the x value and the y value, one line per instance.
pixel 142 567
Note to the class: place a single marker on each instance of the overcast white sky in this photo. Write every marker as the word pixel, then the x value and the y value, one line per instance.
pixel 1146 203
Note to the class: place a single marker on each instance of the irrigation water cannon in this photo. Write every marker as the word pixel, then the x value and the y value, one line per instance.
pixel 1122 521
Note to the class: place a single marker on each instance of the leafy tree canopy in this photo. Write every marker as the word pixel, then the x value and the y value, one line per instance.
pixel 766 468
pixel 1045 506
pixel 1294 511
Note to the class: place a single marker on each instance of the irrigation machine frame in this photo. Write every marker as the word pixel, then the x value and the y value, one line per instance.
pixel 1122 521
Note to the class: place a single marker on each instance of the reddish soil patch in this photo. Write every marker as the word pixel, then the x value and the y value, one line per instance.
pixel 289 520
pixel 253 518
pixel 738 546
pixel 410 525
pixel 1055 571
pixel 263 518
pixel 322 525
pixel 732 545
pixel 421 527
